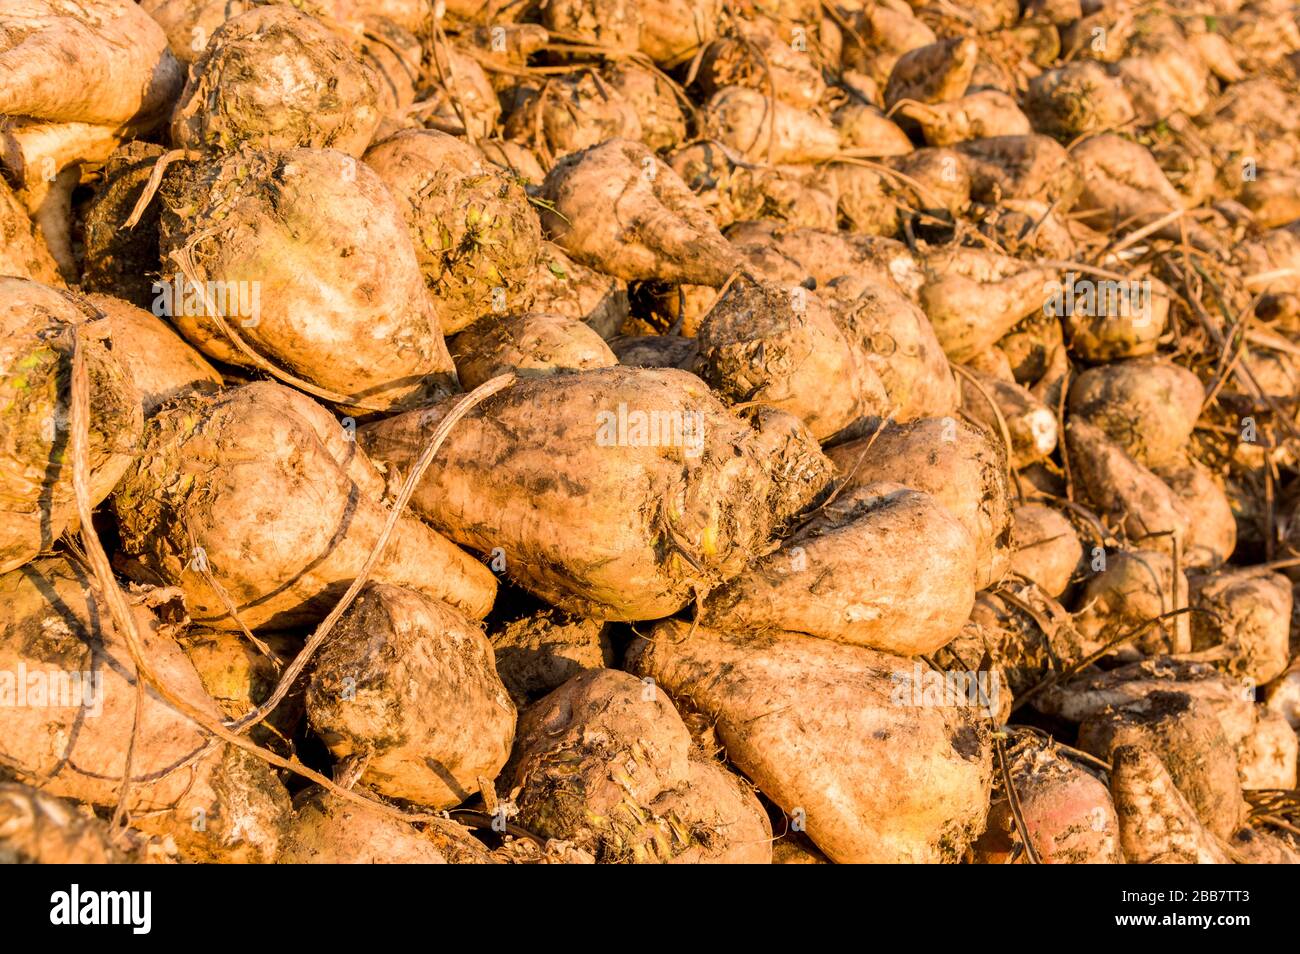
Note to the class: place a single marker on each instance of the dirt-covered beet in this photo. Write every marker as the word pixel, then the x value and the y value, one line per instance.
pixel 260 491
pixel 293 252
pixel 605 761
pixel 223 805
pixel 651 491
pixel 37 328
pixel 407 690
pixel 277 79
pixel 476 236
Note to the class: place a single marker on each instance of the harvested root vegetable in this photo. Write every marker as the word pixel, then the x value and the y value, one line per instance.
pixel 190 23
pixel 1107 321
pixel 936 181
pixel 1068 813
pixel 606 762
pixel 1118 485
pixel 1189 741
pixel 826 256
pixel 820 729
pixel 865 200
pixel 619 209
pixel 1148 407
pixel 38 829
pixel 1027 635
pixel 734 190
pixel 1212 526
pixel 541 651
pixel 506 44
pixel 240 676
pixel 1156 823
pixel 651 97
pixel 327 830
pixel 676 492
pixel 612 24
pixel 1030 228
pixel 23 253
pixel 1269 755
pixel 1021 167
pixel 531 345
pixel 1077 99
pixel 976 650
pixel 1264 754
pixel 1163 78
pixel 992 402
pixel 1125 187
pixel 858 391
pixel 223 804
pixel 673 31
pixel 782 346
pixel 303 249
pixel 218 476
pixel 953 462
pixel 37 328
pixel 570 113
pixel 993 363
pixel 1282 695
pixel 656 351
pixel 118 261
pixel 1030 348
pixel 518 159
pixel 476 238
pixel 1273 199
pixel 276 78
pixel 879 566
pixel 160 365
pixel 973 298
pixel 1262 848
pixel 767 130
pixel 464 102
pixel 900 344
pixel 1134 587
pixel 83 61
pixel 1246 622
pixel 561 286
pixel 979 115
pixel 758 58
pixel 1090 694
pixel 45 164
pixel 406 693
pixel 891 30
pixel 1045 547
pixel 866 131
pixel 394 55
pixel 933 73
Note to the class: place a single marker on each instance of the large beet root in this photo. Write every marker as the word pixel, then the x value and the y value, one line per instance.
pixel 606 762
pixel 475 235
pixel 617 493
pixel 880 566
pixel 224 804
pixel 261 489
pixel 407 687
pixel 782 346
pixel 296 251
pixel 101 62
pixel 36 332
pixel 277 79
pixel 618 208
pixel 835 735
pixel 953 462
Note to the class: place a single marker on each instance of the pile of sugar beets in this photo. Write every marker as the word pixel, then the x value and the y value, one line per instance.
pixel 649 431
